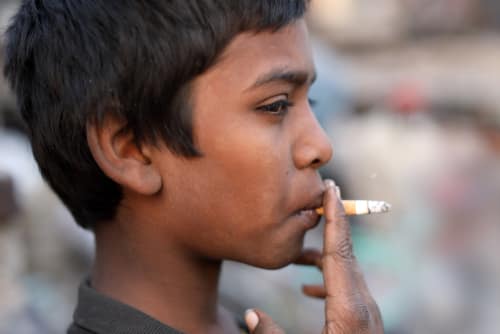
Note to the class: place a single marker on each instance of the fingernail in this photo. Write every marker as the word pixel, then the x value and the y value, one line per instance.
pixel 329 184
pixel 252 319
pixel 339 194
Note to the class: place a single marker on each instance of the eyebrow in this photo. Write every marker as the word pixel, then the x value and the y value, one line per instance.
pixel 296 78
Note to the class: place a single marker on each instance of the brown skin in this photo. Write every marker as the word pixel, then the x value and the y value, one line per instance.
pixel 181 217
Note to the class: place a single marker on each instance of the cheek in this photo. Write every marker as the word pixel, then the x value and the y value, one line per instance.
pixel 241 149
pixel 242 180
pixel 248 175
pixel 238 193
pixel 240 184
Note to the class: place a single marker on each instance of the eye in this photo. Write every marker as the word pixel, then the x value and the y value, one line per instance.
pixel 277 108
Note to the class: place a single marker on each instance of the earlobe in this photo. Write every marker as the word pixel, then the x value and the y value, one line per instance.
pixel 116 153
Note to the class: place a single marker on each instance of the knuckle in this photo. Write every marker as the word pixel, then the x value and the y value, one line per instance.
pixel 344 249
pixel 353 316
pixel 361 318
pixel 357 317
pixel 342 252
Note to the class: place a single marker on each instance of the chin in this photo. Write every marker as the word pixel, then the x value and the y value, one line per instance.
pixel 278 259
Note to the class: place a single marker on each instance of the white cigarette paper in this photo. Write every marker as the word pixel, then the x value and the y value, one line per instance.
pixel 361 207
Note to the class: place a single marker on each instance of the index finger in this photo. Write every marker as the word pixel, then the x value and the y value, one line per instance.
pixel 338 258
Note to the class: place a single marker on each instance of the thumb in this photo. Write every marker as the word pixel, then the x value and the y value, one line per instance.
pixel 260 323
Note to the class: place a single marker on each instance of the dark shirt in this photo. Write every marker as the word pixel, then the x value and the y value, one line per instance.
pixel 98 314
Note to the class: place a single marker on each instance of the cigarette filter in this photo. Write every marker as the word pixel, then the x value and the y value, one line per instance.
pixel 361 207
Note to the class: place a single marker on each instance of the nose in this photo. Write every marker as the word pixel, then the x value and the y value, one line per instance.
pixel 312 148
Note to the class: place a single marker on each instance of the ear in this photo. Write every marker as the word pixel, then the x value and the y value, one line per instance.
pixel 115 151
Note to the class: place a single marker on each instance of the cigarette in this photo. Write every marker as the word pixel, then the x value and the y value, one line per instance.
pixel 361 207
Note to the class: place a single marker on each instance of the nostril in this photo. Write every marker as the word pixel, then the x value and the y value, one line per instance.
pixel 316 161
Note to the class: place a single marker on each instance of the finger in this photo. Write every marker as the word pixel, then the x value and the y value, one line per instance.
pixel 346 308
pixel 310 257
pixel 260 323
pixel 338 258
pixel 315 291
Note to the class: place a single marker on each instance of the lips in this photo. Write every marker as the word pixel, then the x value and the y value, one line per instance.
pixel 316 202
pixel 308 213
pixel 309 218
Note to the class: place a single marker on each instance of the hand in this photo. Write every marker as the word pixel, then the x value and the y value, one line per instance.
pixel 349 306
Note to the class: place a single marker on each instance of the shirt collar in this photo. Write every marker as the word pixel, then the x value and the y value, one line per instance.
pixel 102 314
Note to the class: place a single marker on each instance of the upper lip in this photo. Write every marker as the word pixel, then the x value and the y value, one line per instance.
pixel 314 202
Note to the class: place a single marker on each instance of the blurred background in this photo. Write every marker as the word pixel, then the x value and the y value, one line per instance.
pixel 408 92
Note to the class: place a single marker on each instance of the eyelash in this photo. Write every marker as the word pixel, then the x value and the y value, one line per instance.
pixel 280 107
pixel 277 108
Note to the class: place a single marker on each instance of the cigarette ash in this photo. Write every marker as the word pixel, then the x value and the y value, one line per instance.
pixel 378 206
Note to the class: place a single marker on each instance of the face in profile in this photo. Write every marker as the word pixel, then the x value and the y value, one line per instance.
pixel 246 197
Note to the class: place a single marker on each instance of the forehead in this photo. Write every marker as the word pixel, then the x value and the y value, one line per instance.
pixel 252 55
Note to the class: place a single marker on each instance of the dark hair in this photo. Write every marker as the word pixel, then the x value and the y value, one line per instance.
pixel 71 61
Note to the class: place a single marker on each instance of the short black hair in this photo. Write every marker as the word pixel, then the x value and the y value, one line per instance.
pixel 72 61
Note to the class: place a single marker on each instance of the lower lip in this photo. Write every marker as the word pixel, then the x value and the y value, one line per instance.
pixel 309 218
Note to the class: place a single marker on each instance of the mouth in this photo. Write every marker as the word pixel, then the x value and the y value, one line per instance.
pixel 308 212
pixel 315 203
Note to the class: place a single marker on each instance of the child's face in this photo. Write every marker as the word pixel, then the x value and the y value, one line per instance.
pixel 260 162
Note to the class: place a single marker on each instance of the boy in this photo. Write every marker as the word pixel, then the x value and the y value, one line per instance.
pixel 180 133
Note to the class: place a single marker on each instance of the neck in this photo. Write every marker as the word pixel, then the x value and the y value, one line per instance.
pixel 158 278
